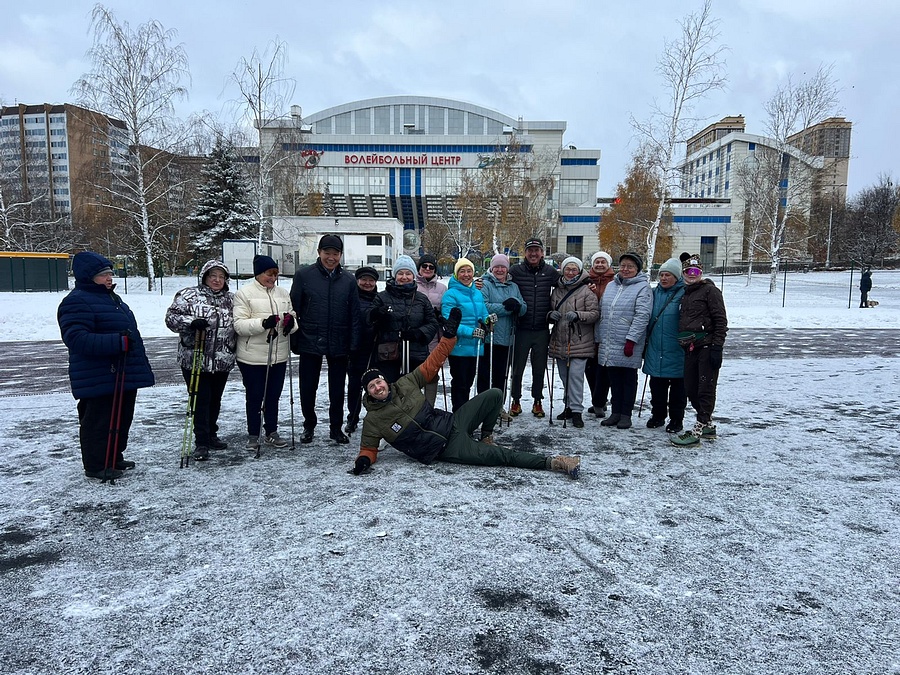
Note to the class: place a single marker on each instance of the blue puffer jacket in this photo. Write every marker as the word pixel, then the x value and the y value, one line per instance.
pixel 91 319
pixel 495 293
pixel 664 357
pixel 471 303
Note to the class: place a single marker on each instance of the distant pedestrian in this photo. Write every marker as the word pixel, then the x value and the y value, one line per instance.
pixel 865 285
pixel 326 301
pixel 206 310
pixel 703 325
pixel 263 320
pixel 103 340
pixel 536 280
pixel 362 357
pixel 663 355
pixel 575 311
pixel 624 314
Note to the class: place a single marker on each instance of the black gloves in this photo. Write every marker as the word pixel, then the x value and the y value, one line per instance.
pixel 362 464
pixel 199 324
pixel 715 356
pixel 451 323
pixel 554 316
pixel 287 322
pixel 126 340
pixel 512 305
pixel 270 322
pixel 571 317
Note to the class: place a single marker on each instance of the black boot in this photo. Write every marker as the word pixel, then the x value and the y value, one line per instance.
pixel 655 422
pixel 216 444
pixel 611 421
pixel 577 421
pixel 338 436
pixel 566 414
pixel 307 436
pixel 201 453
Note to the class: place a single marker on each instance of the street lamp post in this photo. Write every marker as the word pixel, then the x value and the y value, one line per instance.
pixel 828 247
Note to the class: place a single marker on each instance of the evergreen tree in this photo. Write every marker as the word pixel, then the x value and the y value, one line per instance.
pixel 223 209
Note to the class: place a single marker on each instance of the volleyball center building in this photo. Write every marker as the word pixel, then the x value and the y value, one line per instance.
pixel 404 158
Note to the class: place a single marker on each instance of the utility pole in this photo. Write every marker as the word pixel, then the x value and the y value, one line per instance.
pixel 828 248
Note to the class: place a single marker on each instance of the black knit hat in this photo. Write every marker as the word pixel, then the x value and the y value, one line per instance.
pixel 369 375
pixel 331 241
pixel 427 258
pixel 367 272
pixel 263 263
pixel 634 257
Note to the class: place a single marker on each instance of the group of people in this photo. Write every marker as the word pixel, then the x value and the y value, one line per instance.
pixel 388 348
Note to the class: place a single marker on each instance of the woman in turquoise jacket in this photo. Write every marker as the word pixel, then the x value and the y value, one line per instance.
pixel 664 357
pixel 461 292
pixel 503 298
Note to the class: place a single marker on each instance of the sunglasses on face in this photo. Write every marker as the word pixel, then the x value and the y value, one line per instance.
pixel 426 266
pixel 693 271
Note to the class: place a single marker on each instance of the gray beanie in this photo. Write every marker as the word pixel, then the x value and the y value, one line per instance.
pixel 404 262
pixel 672 266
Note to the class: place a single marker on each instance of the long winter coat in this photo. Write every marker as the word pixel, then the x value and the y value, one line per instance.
pixel 327 307
pixel 366 332
pixel 433 290
pixel 535 284
pixel 624 313
pixel 406 420
pixel 703 314
pixel 409 311
pixel 865 282
pixel 91 320
pixel 495 292
pixel 664 356
pixel 575 340
pixel 217 307
pixel 471 302
pixel 252 304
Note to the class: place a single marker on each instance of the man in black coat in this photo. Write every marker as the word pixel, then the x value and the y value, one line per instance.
pixel 326 301
pixel 536 280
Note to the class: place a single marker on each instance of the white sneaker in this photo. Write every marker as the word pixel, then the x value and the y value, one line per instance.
pixel 275 440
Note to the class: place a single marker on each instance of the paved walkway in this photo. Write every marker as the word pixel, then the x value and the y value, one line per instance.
pixel 41 367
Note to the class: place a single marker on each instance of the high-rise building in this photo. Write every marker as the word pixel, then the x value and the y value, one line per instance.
pixel 52 153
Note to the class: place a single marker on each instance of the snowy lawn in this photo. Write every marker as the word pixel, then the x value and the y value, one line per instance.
pixel 775 548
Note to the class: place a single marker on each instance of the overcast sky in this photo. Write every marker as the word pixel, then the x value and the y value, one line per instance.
pixel 590 63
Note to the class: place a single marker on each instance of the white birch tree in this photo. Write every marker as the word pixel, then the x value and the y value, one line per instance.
pixel 778 181
pixel 136 77
pixel 264 95
pixel 691 67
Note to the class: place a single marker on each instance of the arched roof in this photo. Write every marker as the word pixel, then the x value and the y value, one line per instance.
pixel 505 120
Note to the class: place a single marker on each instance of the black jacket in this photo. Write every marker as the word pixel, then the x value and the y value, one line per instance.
pixel 327 308
pixel 703 313
pixel 411 311
pixel 536 284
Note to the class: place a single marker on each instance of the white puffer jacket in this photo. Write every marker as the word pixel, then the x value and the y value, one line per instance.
pixel 252 304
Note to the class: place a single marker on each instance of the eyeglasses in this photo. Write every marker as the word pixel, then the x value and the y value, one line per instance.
pixel 627 267
pixel 426 266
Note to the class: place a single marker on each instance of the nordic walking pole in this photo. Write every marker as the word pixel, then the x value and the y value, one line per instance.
pixel 272 339
pixel 444 386
pixel 291 387
pixel 641 407
pixel 193 384
pixel 508 373
pixel 478 348
pixel 568 374
pixel 552 375
pixel 115 417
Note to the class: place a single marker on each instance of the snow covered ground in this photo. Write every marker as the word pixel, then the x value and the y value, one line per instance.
pixel 772 549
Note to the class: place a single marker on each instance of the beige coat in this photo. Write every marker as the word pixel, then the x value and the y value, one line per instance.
pixel 253 303
pixel 581 343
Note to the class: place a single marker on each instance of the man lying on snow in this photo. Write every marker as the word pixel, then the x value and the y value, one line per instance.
pixel 400 414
